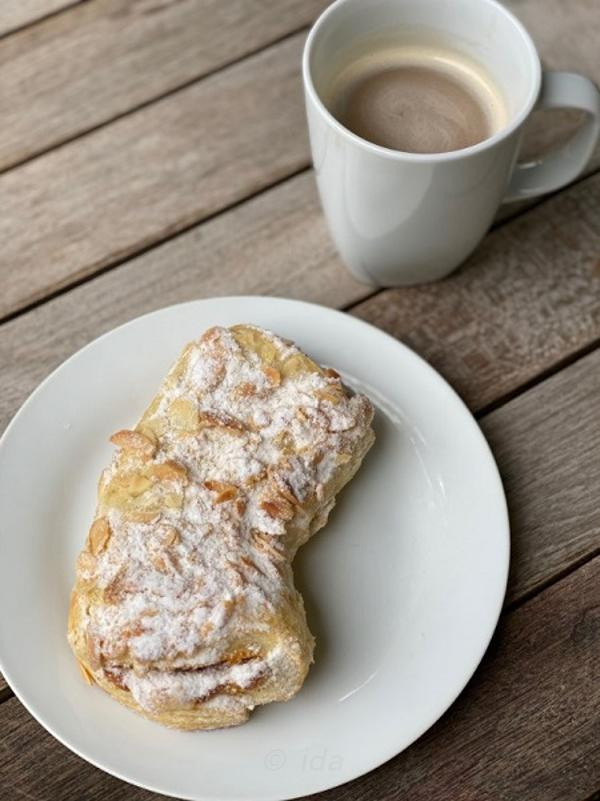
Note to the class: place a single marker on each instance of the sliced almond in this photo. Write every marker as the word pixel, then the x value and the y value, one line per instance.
pixel 214 420
pixel 134 441
pixel 99 535
pixel 170 471
pixel 171 537
pixel 174 500
pixel 86 563
pixel 279 508
pixel 333 394
pixel 255 479
pixel 136 484
pixel 251 564
pixel 282 486
pixel 219 486
pixel 268 545
pixel 227 495
pixel 286 491
pixel 124 490
pixel 115 591
pixel 160 563
pixel 211 335
pixel 245 390
pixel 273 375
pixel 183 416
pixel 285 442
pixel 297 364
pixel 214 486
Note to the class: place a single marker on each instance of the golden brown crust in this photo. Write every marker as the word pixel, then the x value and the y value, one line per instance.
pixel 184 607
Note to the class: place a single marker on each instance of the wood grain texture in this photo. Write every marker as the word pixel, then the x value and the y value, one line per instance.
pixel 152 173
pixel 35 767
pixel 566 35
pixel 275 244
pixel 526 727
pixel 547 445
pixel 17 13
pixel 124 187
pixel 527 298
pixel 78 70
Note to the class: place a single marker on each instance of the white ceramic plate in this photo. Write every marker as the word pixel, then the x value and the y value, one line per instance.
pixel 403 588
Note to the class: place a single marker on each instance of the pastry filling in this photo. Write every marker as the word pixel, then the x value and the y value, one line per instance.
pixel 157 689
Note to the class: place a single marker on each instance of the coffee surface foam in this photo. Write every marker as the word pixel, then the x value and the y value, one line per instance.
pixel 417 99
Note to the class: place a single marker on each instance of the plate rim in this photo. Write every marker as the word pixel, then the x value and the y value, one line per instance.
pixel 385 754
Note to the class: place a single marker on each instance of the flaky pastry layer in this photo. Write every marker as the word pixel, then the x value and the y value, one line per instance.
pixel 184 606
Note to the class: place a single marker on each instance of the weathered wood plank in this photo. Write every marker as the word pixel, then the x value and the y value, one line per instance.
pixel 44 770
pixel 546 443
pixel 127 53
pixel 96 200
pixel 566 35
pixel 528 297
pixel 526 727
pixel 275 244
pixel 79 70
pixel 17 13
pixel 150 174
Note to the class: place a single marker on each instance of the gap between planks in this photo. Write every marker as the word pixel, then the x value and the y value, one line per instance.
pixel 85 279
pixel 369 293
pixel 156 99
pixel 188 209
pixel 61 8
pixel 172 44
pixel 539 378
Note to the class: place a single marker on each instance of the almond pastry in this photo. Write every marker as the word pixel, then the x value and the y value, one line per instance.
pixel 184 606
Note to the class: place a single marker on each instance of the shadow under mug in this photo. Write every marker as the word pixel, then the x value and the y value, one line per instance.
pixel 404 218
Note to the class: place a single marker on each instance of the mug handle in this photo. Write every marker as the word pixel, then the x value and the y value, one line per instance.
pixel 560 90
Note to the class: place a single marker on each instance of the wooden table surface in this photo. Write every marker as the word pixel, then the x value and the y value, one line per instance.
pixel 154 151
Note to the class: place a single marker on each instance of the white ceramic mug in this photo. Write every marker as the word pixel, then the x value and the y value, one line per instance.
pixel 402 218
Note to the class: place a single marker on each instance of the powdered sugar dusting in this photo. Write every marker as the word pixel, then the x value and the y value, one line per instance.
pixel 244 437
pixel 156 689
